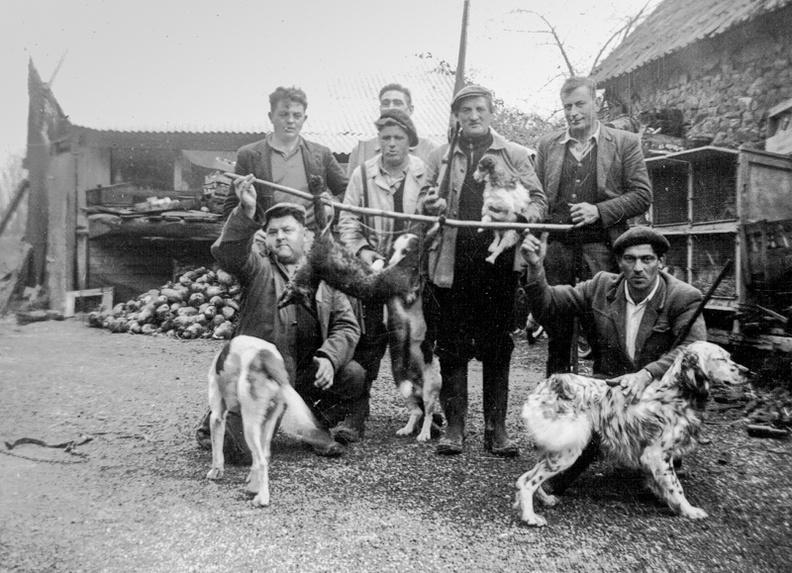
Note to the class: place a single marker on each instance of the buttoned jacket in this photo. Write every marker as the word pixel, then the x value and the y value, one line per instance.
pixel 256 158
pixel 623 185
pixel 602 300
pixel 517 160
pixel 263 280
pixel 358 231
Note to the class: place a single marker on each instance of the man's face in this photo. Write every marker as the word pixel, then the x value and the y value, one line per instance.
pixel 474 116
pixel 580 110
pixel 394 99
pixel 394 144
pixel 286 238
pixel 640 266
pixel 287 119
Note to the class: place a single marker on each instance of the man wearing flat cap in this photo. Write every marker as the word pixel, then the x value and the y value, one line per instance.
pixel 469 302
pixel 317 343
pixel 391 96
pixel 636 314
pixel 390 181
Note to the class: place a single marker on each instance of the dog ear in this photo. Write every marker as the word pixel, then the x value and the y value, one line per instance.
pixel 692 378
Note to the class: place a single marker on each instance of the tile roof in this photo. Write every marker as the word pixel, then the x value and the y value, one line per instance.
pixel 675 24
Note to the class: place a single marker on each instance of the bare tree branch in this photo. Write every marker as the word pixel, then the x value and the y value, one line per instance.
pixel 624 31
pixel 553 32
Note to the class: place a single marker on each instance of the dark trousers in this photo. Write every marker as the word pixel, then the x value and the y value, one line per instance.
pixel 563 266
pixel 332 405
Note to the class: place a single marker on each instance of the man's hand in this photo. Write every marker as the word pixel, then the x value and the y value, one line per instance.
pixel 534 248
pixel 324 373
pixel 370 257
pixel 247 194
pixel 434 205
pixel 583 213
pixel 632 385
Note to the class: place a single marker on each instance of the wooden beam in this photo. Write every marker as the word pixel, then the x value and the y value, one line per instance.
pixel 20 193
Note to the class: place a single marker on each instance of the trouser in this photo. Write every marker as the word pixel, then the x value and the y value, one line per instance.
pixel 372 344
pixel 473 319
pixel 345 397
pixel 564 266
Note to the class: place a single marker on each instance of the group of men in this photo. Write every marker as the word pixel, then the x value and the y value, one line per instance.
pixel 589 176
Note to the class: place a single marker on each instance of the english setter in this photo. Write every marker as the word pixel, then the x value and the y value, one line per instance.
pixel 563 413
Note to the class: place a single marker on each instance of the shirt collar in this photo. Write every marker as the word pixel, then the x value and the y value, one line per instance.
pixel 647 299
pixel 273 144
pixel 595 136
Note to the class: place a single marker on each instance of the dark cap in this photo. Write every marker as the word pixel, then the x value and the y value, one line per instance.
pixel 641 235
pixel 400 118
pixel 284 210
pixel 469 91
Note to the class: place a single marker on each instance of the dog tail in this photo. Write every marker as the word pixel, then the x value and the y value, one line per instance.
pixel 298 421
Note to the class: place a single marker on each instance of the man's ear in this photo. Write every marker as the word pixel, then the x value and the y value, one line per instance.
pixel 269 115
pixel 662 261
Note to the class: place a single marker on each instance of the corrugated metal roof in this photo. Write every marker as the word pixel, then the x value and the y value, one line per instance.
pixel 675 24
pixel 340 111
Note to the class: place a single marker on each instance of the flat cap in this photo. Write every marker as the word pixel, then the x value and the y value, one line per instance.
pixel 284 210
pixel 641 235
pixel 400 118
pixel 469 91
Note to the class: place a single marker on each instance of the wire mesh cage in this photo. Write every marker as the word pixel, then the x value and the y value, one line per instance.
pixel 715 191
pixel 710 253
pixel 676 257
pixel 669 185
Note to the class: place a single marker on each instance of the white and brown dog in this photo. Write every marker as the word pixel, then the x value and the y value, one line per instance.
pixel 504 199
pixel 416 370
pixel 248 375
pixel 563 413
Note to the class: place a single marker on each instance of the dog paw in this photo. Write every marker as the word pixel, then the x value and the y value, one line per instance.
pixel 534 520
pixel 424 436
pixel 405 431
pixel 549 500
pixel 261 500
pixel 695 513
pixel 215 474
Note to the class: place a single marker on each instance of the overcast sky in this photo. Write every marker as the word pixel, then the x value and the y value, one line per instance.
pixel 178 57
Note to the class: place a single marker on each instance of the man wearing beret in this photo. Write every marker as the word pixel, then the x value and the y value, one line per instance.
pixel 317 342
pixel 391 96
pixel 596 179
pixel 636 315
pixel 389 181
pixel 469 302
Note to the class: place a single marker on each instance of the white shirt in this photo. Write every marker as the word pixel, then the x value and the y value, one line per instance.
pixel 634 316
pixel 579 149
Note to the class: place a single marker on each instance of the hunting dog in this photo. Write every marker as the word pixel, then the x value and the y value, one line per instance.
pixel 398 286
pixel 248 375
pixel 504 199
pixel 563 413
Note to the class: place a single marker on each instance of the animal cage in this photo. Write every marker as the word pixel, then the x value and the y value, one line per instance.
pixel 716 204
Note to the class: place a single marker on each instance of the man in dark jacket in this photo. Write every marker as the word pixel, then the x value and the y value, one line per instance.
pixel 636 315
pixel 286 158
pixel 595 178
pixel 317 343
pixel 469 302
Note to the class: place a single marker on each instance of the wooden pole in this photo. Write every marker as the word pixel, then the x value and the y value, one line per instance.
pixel 462 55
pixel 538 227
pixel 12 207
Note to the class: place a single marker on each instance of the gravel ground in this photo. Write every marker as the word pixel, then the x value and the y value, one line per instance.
pixel 135 497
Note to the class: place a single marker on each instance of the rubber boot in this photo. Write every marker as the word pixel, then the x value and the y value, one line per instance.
pixel 495 396
pixel 352 428
pixel 454 399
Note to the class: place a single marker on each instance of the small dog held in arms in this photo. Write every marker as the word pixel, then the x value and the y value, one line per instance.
pixel 248 374
pixel 398 286
pixel 562 414
pixel 504 199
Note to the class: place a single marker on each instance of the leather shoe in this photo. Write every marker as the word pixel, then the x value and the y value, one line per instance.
pixel 449 446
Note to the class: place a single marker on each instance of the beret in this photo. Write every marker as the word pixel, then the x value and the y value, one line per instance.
pixel 400 118
pixel 469 91
pixel 641 235
pixel 284 210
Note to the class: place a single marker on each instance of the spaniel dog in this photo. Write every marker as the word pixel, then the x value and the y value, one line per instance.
pixel 504 199
pixel 563 413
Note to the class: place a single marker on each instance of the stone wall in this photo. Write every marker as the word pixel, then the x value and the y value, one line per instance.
pixel 723 86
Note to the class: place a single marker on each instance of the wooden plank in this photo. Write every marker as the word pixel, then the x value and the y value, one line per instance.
pixel 105 294
pixel 12 207
pixel 106 225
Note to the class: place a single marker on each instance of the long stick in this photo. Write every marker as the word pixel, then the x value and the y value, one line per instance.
pixel 538 227
pixel 20 192
pixel 700 308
